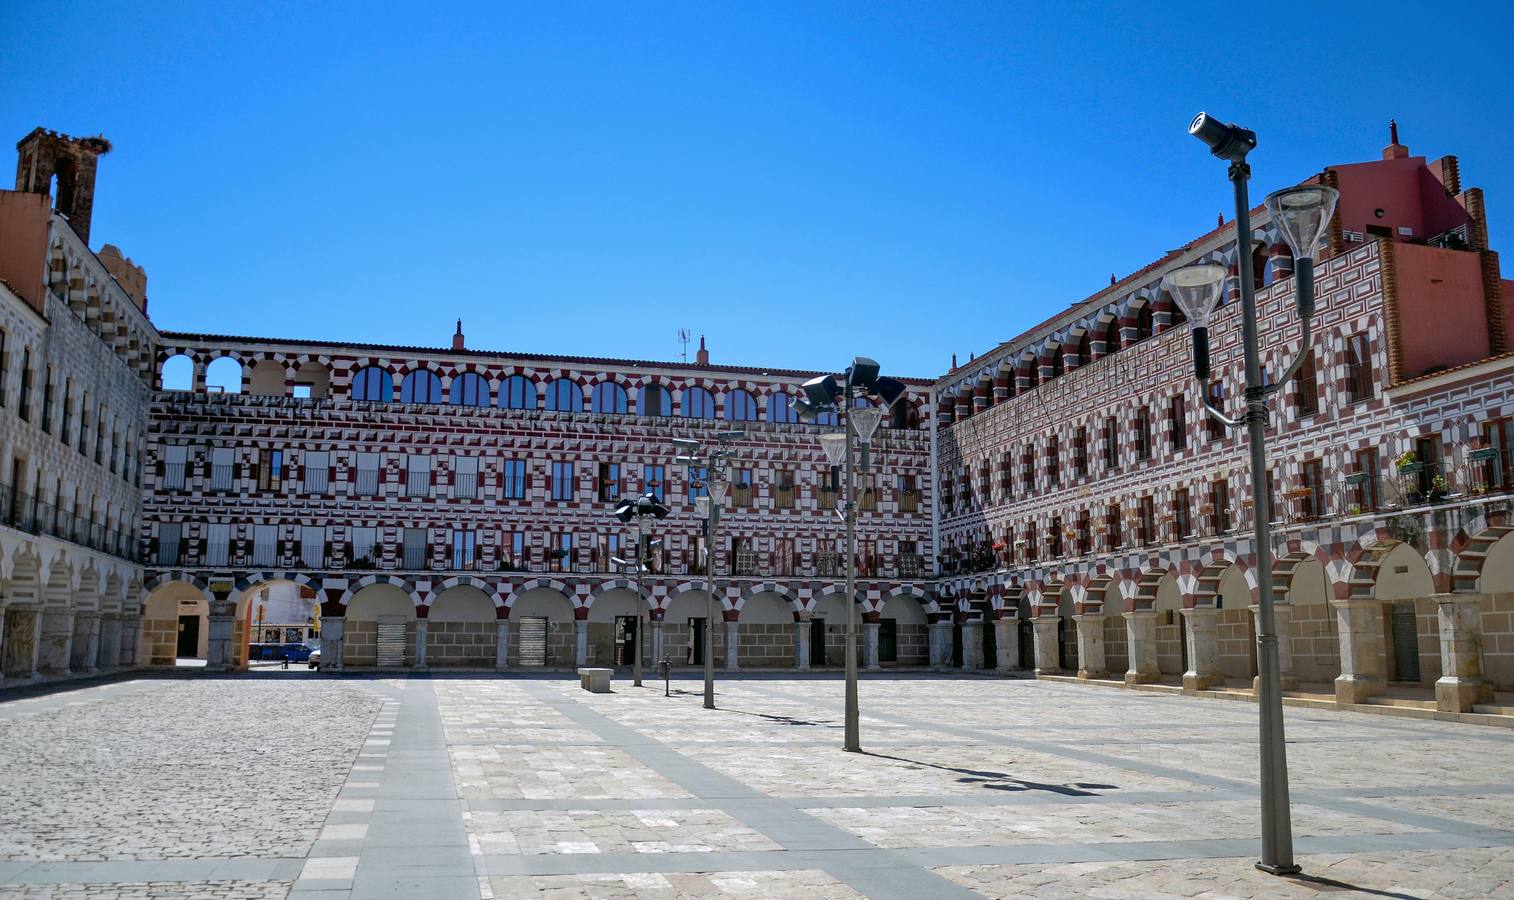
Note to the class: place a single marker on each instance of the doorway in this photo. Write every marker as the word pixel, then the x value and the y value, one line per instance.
pixel 533 640
pixel 990 645
pixel 956 645
pixel 189 637
pixel 817 642
pixel 888 640
pixel 625 640
pixel 696 642
pixel 1027 644
pixel 1405 643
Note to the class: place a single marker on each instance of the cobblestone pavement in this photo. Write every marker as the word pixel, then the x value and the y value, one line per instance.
pixel 484 787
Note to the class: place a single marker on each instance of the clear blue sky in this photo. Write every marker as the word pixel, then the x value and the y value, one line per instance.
pixel 800 182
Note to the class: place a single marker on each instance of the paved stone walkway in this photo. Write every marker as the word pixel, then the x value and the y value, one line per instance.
pixel 479 787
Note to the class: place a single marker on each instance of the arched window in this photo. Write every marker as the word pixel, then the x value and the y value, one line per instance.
pixel 740 407
pixel 470 389
pixel 609 397
pixel 179 373
pixel 421 386
pixel 1143 322
pixel 224 376
pixel 1177 318
pixel 563 395
pixel 698 404
pixel 904 415
pixel 517 392
pixel 827 417
pixel 654 401
pixel 1112 337
pixel 1058 364
pixel 1085 349
pixel 373 384
pixel 779 409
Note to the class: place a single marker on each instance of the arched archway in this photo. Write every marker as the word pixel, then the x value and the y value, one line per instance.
pixel 1314 633
pixel 683 621
pixel 543 627
pixel 613 624
pixel 1236 626
pixel 903 632
pixel 380 627
pixel 1171 653
pixel 767 629
pixel 460 628
pixel 178 373
pixel 175 624
pixel 1411 629
pixel 267 378
pixel 224 376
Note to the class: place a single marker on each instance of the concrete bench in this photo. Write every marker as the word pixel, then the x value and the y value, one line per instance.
pixel 595 681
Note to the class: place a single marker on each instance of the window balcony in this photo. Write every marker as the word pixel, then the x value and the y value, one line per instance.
pixel 746 563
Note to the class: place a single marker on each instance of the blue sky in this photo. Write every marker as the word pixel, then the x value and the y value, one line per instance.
pixel 799 182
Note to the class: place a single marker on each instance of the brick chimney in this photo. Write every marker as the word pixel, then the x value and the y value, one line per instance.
pixel 702 358
pixel 457 338
pixel 1394 150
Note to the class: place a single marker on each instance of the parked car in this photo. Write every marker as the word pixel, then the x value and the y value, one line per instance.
pixel 314 659
pixel 297 652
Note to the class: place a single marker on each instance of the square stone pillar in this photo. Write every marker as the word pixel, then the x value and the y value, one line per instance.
pixel 1007 644
pixel 656 642
pixel 110 640
pixel 1141 646
pixel 581 642
pixel 802 646
pixel 1091 662
pixel 732 640
pixel 870 645
pixel 422 628
pixel 1203 639
pixel 23 636
pixel 1360 623
pixel 972 645
pixel 501 644
pixel 1282 614
pixel 84 655
pixel 333 630
pixel 1045 636
pixel 55 643
pixel 1462 684
pixel 131 639
pixel 218 653
pixel 941 644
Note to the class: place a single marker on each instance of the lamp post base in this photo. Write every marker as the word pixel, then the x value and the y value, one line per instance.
pixel 1290 869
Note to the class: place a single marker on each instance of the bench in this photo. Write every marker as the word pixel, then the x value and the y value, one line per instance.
pixel 595 681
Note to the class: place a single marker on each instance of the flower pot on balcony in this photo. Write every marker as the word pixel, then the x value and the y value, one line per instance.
pixel 1411 468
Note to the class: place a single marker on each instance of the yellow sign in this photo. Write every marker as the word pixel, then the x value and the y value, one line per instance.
pixel 221 587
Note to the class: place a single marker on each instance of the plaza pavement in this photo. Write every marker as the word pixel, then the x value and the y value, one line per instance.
pixel 267 785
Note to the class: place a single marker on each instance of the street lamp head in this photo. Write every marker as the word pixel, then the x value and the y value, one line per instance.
pixel 863 372
pixel 889 390
pixel 649 505
pixel 805 410
pixel 1229 142
pixel 718 488
pixel 866 418
pixel 688 460
pixel 821 390
pixel 1302 215
pixel 834 446
pixel 1197 290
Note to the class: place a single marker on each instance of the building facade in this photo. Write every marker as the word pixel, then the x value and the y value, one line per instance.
pixel 1060 503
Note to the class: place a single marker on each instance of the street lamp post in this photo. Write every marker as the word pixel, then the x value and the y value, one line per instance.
pixel 640 509
pixel 717 485
pixel 861 380
pixel 1302 215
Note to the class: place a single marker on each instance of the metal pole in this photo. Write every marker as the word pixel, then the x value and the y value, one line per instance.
pixel 853 740
pixel 709 615
pixel 1277 827
pixel 641 600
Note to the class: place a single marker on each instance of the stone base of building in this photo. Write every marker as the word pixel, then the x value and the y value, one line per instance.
pixel 1356 688
pixel 1193 683
pixel 1141 678
pixel 1453 694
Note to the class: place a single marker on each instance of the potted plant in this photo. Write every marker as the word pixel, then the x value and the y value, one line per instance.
pixel 1440 489
pixel 1408 463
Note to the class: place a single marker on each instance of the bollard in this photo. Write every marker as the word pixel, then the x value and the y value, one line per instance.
pixel 665 669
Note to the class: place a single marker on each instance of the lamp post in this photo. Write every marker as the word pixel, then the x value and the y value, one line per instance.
pixel 717 485
pixel 639 509
pixel 1302 215
pixel 860 380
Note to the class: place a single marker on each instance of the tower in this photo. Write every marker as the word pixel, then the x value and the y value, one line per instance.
pixel 43 156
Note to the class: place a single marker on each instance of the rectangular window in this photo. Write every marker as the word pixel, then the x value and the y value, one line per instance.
pixel 367 475
pixel 1053 461
pixel 365 548
pixel 115 451
pixel 462 548
pixel 654 479
pixel 265 545
pixel 170 547
pixel 1112 537
pixel 784 560
pixel 1028 469
pixel 1006 476
pixel 1365 480
pixel 562 552
pixel 47 406
pixel 221 465
pixel 1147 521
pixel 826 494
pixel 909 494
pixel 562 481
pixel 465 477
pixel 785 496
pixel 518 550
pixel 24 402
pixel 417 549
pixel 513 476
pixel 1085 533
pixel 270 470
pixel 175 461
pixel 1143 434
pixel 741 487
pixel 317 464
pixel 698 484
pixel 301 391
pixel 1182 522
pixel 867 498
pixel 1219 498
pixel 1306 387
pixel 609 486
pixel 1428 451
pixel 1054 538
pixel 609 551
pixel 1080 451
pixel 1111 443
pixel 417 475
pixel 1313 502
pixel 313 546
pixel 1177 424
pixel 100 438
pixel 218 545
pixel 84 428
pixel 1358 367
pixel 1495 467
pixel 1215 428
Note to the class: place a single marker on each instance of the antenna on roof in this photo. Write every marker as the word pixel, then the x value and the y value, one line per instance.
pixel 683 338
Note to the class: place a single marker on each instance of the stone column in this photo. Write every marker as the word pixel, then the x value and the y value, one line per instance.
pixel 732 641
pixel 23 637
pixel 1203 639
pixel 1045 637
pixel 422 628
pixel 1360 623
pixel 56 641
pixel 941 644
pixel 801 645
pixel 84 656
pixel 333 629
pixel 2 641
pixel 1007 643
pixel 870 645
pixel 1091 662
pixel 131 639
pixel 218 650
pixel 972 645
pixel 656 642
pixel 1282 614
pixel 110 640
pixel 581 642
pixel 501 644
pixel 1462 684
pixel 1141 643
